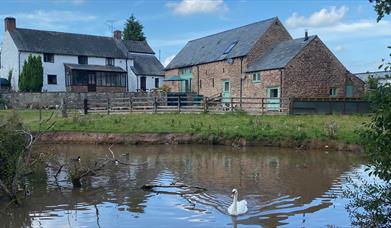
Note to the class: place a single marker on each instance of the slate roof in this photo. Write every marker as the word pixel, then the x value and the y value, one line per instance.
pixel 94 67
pixel 138 46
pixel 175 78
pixel 211 48
pixel 378 74
pixel 278 55
pixel 146 64
pixel 66 43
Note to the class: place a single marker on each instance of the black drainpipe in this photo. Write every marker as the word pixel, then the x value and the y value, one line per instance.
pixel 127 72
pixel 136 83
pixel 280 83
pixel 241 80
pixel 198 80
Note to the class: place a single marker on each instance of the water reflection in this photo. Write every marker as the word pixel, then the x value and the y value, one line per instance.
pixel 280 186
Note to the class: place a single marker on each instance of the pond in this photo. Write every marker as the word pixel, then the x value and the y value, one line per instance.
pixel 283 187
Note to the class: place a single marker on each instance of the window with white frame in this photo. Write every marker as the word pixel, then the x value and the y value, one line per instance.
pixel 109 61
pixel 333 92
pixel 256 77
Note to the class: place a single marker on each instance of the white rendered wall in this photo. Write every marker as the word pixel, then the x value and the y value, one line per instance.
pixel 57 68
pixel 150 81
pixel 9 60
pixel 132 78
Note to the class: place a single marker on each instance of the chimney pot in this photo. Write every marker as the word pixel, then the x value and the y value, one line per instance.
pixel 306 35
pixel 9 24
pixel 117 34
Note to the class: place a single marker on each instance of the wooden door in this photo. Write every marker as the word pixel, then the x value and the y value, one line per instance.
pixel 143 83
pixel 226 91
pixel 273 98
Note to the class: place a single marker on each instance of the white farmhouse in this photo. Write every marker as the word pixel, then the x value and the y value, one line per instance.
pixel 81 63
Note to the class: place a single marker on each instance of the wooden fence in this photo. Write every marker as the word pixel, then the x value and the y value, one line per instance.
pixel 198 104
pixel 183 105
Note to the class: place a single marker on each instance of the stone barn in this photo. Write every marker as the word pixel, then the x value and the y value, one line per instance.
pixel 260 60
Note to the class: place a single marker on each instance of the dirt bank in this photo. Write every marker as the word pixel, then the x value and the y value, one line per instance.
pixel 183 138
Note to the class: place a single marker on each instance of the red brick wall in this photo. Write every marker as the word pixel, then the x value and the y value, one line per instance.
pixel 110 89
pixel 83 89
pixel 77 89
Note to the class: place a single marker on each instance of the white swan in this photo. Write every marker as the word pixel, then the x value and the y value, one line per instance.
pixel 236 207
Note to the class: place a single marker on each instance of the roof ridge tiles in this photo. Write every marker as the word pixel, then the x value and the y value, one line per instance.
pixel 253 23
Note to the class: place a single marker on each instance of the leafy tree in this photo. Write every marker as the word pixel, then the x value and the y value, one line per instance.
pixel 133 30
pixel 31 78
pixel 373 198
pixel 370 204
pixel 382 7
pixel 377 138
pixel 13 154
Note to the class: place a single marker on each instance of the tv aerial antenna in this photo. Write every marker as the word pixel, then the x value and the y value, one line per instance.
pixel 111 24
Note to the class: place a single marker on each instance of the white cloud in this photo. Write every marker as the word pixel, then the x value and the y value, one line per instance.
pixel 353 30
pixel 50 20
pixel 188 7
pixel 339 48
pixel 324 17
pixel 167 60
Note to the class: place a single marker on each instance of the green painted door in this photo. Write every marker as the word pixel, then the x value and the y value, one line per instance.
pixel 226 91
pixel 349 91
pixel 273 98
pixel 185 85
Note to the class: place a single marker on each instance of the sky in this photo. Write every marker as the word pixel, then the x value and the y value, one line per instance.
pixel 347 27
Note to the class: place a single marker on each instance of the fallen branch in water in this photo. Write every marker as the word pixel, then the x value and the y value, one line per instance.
pixel 189 189
pixel 116 161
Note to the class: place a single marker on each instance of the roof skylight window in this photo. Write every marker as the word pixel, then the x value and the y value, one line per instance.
pixel 230 47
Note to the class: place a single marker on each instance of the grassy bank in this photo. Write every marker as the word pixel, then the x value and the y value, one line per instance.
pixel 227 126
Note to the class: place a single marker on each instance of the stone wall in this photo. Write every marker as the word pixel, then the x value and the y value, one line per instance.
pixel 275 33
pixel 53 99
pixel 208 78
pixel 212 75
pixel 270 78
pixel 172 85
pixel 313 72
pixel 358 86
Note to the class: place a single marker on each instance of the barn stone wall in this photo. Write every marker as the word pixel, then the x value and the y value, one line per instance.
pixel 276 33
pixel 313 72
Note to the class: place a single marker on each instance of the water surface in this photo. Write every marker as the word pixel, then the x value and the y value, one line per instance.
pixel 283 187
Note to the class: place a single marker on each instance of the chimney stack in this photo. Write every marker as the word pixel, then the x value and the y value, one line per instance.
pixel 306 35
pixel 117 34
pixel 9 24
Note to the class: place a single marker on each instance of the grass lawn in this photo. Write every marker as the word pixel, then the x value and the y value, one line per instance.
pixel 228 126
